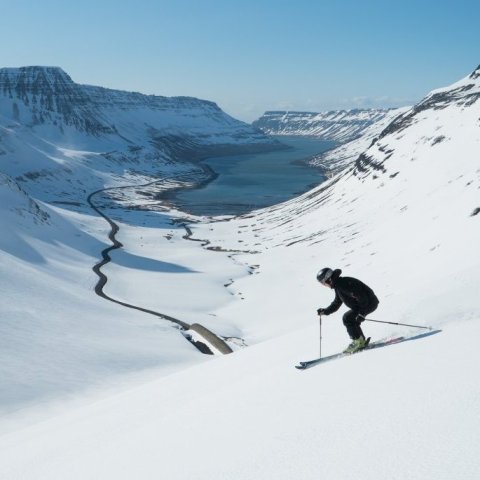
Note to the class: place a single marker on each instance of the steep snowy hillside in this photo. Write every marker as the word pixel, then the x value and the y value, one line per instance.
pixel 18 204
pixel 335 160
pixel 339 125
pixel 57 338
pixel 18 213
pixel 406 213
pixel 59 142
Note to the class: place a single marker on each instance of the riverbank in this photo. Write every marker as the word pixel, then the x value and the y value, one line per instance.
pixel 203 339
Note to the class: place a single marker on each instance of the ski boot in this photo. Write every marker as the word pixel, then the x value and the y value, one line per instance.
pixel 356 345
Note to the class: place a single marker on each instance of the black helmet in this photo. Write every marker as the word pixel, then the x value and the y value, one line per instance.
pixel 324 275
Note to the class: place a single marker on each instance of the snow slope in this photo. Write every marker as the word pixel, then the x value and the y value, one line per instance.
pixel 403 215
pixel 57 338
pixel 383 414
pixel 59 142
pixel 335 160
pixel 404 219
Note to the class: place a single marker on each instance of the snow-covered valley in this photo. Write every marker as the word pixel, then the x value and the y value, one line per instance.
pixel 91 389
pixel 60 142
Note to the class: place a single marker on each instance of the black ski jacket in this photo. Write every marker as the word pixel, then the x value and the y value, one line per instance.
pixel 353 293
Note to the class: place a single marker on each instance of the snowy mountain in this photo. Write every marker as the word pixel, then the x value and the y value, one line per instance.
pixel 412 195
pixel 403 218
pixel 338 158
pixel 339 125
pixel 59 143
pixel 55 132
pixel 36 96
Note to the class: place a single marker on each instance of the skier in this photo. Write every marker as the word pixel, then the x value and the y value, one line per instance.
pixel 354 294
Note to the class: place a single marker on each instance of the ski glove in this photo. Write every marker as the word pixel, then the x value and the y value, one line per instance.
pixel 360 318
pixel 321 311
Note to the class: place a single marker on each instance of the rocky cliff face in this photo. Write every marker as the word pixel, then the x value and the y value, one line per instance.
pixel 36 96
pixel 339 125
pixel 39 95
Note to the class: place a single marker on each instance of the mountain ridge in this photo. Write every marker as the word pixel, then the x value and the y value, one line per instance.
pixel 339 125
pixel 52 95
pixel 53 130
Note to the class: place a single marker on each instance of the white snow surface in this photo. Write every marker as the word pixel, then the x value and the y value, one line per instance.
pixel 338 158
pixel 102 392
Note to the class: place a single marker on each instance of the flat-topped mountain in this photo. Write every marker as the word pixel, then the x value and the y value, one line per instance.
pixel 53 131
pixel 339 125
pixel 47 95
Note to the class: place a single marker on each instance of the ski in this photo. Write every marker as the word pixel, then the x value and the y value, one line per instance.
pixel 370 346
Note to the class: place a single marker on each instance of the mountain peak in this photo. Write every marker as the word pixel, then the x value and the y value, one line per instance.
pixel 475 74
pixel 34 71
pixel 34 80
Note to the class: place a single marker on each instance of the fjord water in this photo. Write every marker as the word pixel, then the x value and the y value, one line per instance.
pixel 250 181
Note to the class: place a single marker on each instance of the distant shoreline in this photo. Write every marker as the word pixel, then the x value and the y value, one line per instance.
pixel 168 196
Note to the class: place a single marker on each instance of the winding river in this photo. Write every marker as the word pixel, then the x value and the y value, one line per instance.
pixel 240 184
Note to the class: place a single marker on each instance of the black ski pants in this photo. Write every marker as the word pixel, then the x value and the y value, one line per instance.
pixel 352 321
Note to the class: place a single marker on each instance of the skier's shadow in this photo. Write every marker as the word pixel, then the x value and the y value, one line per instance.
pixel 421 335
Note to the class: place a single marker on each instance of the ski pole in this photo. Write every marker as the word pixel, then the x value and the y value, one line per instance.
pixel 395 323
pixel 320 318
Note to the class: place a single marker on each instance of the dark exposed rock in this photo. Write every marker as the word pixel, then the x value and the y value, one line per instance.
pixel 365 163
pixel 51 96
pixel 438 139
pixel 462 95
pixel 437 101
pixel 475 74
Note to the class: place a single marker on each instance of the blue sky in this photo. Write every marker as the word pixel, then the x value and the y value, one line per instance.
pixel 251 55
